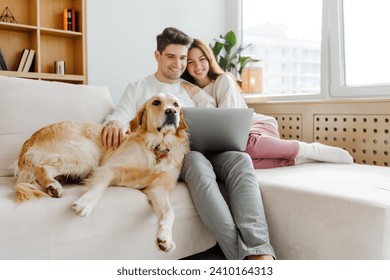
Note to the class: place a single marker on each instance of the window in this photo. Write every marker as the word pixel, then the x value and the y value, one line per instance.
pixel 366 42
pixel 360 64
pixel 319 48
pixel 286 36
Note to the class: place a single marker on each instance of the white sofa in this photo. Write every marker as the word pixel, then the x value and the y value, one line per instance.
pixel 123 224
pixel 314 211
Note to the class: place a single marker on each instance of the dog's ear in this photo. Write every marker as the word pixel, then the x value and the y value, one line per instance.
pixel 139 119
pixel 182 123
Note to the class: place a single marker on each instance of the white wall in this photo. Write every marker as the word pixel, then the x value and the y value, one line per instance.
pixel 121 34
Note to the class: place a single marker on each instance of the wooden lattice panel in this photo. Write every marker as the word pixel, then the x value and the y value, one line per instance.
pixel 290 126
pixel 366 137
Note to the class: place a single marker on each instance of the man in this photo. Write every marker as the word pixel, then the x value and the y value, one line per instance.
pixel 240 228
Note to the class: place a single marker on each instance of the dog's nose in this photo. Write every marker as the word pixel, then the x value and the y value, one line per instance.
pixel 169 111
pixel 170 116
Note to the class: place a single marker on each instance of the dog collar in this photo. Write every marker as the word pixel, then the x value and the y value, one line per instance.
pixel 160 153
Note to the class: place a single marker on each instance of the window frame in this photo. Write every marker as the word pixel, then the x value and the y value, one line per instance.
pixel 332 84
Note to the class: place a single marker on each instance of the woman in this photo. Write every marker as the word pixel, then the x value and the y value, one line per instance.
pixel 264 145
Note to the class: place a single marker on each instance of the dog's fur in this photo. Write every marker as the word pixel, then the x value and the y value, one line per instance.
pixel 149 159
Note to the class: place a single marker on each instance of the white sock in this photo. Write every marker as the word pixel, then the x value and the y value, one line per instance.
pixel 320 152
pixel 301 160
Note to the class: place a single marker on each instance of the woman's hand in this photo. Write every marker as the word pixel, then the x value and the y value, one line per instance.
pixel 191 89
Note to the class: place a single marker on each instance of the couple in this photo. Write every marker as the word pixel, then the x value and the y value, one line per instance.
pixel 239 226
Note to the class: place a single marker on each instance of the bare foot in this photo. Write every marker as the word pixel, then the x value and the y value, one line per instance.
pixel 260 257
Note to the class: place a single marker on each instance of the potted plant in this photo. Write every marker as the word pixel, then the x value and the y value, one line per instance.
pixel 231 60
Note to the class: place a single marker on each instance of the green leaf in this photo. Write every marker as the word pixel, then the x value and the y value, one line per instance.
pixel 244 60
pixel 217 48
pixel 230 39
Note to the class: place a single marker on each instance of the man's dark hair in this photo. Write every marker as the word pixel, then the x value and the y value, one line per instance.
pixel 171 35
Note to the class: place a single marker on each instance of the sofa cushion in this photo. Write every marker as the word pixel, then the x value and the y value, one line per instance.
pixel 27 105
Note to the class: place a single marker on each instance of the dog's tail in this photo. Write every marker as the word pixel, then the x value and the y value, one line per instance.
pixel 27 187
pixel 27 191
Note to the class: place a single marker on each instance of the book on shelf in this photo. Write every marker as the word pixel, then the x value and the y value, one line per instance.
pixel 29 60
pixel 73 19
pixel 69 20
pixel 3 64
pixel 22 60
pixel 65 20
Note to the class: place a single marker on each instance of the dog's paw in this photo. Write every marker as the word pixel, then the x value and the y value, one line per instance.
pixel 55 189
pixel 166 246
pixel 84 205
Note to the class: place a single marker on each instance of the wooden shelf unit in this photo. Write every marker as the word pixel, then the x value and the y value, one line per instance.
pixel 39 27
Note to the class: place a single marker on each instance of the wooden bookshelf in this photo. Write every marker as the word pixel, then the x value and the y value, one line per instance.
pixel 40 26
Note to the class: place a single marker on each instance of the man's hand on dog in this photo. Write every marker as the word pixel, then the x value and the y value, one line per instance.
pixel 114 134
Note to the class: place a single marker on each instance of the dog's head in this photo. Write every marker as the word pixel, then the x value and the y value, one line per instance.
pixel 161 113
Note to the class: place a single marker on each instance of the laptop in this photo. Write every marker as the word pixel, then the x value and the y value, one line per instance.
pixel 218 129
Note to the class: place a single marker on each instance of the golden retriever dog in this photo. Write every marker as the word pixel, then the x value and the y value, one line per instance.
pixel 149 159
